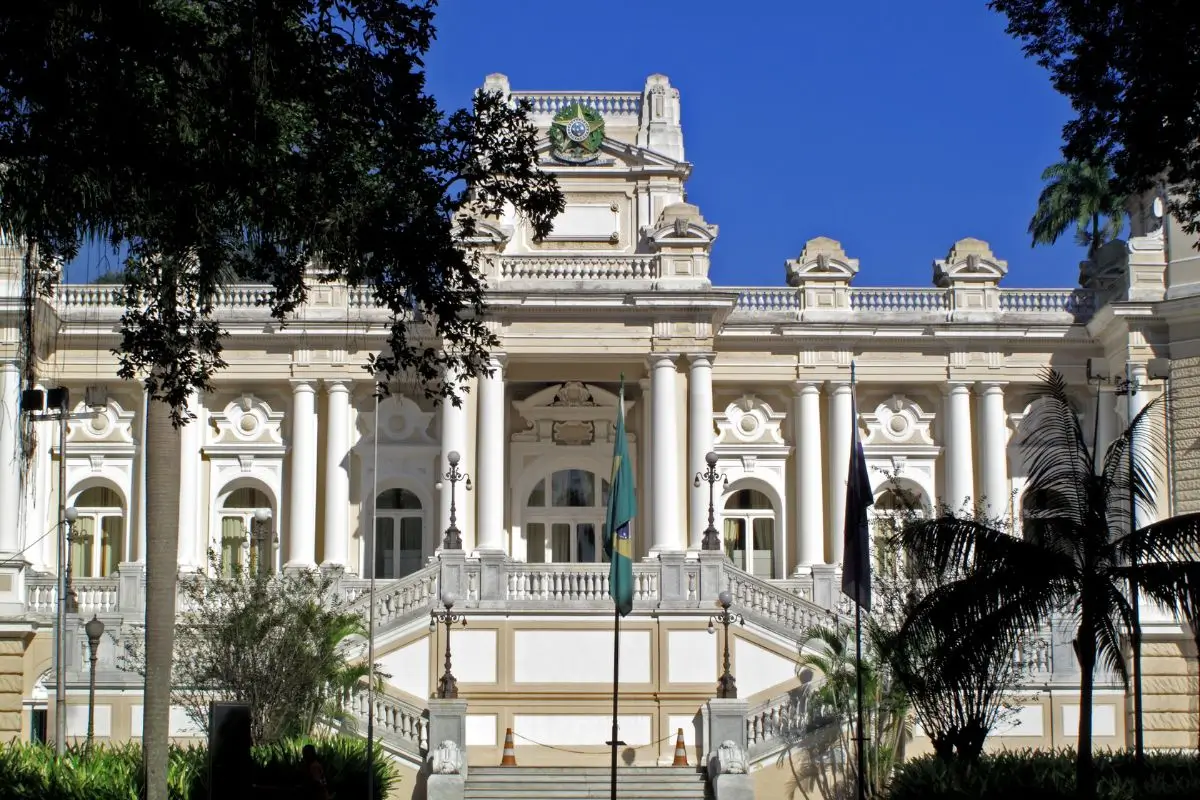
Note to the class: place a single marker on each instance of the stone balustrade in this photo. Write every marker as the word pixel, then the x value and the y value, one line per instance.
pixel 786 303
pixel 771 725
pixel 609 104
pixel 397 722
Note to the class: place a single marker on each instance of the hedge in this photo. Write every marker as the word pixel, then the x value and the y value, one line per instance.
pixel 1042 775
pixel 31 772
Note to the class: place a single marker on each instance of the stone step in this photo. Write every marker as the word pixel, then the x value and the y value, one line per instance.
pixel 584 783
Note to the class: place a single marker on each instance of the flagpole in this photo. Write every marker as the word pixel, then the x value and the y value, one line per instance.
pixel 616 690
pixel 861 754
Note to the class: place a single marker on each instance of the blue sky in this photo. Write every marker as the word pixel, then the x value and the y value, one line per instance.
pixel 894 127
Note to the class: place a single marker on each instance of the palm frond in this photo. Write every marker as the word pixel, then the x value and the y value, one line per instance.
pixel 1174 585
pixel 1058 460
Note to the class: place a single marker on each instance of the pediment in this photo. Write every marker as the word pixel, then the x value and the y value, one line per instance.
pixel 969 261
pixel 401 421
pixel 111 427
pixel 898 421
pixel 569 413
pixel 822 259
pixel 247 424
pixel 617 155
pixel 751 421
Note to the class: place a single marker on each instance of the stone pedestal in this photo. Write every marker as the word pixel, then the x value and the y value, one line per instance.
pixel 825 586
pixel 445 787
pixel 726 722
pixel 131 597
pixel 12 586
pixel 447 722
pixel 493 576
pixel 453 577
pixel 672 580
pixel 712 579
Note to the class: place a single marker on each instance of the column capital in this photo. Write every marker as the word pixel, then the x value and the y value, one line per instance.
pixel 301 385
pixel 957 387
pixel 658 359
pixel 990 387
pixel 644 384
pixel 702 359
pixel 338 385
pixel 801 387
pixel 839 386
pixel 497 360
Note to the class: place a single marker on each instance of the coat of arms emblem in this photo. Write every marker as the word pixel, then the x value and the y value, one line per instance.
pixel 576 134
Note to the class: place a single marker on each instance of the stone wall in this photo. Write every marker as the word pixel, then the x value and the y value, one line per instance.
pixel 1185 423
pixel 1171 697
pixel 12 685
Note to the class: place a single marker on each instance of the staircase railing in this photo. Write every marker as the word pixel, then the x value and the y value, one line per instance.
pixel 400 601
pixel 400 723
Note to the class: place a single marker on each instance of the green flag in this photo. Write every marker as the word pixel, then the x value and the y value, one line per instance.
pixel 622 507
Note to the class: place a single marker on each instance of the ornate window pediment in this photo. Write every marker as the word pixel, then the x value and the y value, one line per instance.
pixel 570 413
pixel 750 423
pixel 401 421
pixel 108 431
pixel 899 421
pixel 246 425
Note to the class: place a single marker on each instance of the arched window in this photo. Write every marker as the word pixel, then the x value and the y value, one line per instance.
pixel 565 518
pixel 238 546
pixel 750 532
pixel 100 514
pixel 399 540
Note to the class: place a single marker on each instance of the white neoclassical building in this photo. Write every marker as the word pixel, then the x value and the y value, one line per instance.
pixel 759 376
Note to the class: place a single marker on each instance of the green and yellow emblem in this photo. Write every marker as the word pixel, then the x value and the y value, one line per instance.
pixel 576 134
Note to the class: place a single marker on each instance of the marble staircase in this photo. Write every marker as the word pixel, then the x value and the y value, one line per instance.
pixel 578 783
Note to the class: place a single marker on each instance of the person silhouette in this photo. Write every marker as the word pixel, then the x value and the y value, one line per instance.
pixel 314 775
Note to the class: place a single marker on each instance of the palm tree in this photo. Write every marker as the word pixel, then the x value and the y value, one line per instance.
pixel 1076 554
pixel 1082 194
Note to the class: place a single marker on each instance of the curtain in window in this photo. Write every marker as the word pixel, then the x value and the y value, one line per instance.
pixel 385 547
pixel 535 543
pixel 233 535
pixel 735 542
pixel 411 545
pixel 83 535
pixel 112 544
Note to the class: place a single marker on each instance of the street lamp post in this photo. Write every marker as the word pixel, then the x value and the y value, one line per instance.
pixel 69 516
pixel 726 686
pixel 453 537
pixel 712 540
pixel 447 684
pixel 94 630
pixel 263 540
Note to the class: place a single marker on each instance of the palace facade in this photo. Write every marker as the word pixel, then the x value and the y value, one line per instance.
pixel 758 376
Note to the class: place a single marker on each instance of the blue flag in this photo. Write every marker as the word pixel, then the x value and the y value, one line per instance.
pixel 856 551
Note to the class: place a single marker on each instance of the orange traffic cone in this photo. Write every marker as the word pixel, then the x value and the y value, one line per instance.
pixel 680 751
pixel 509 758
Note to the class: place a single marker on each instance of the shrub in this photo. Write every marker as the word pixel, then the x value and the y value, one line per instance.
pixel 30 771
pixel 1041 775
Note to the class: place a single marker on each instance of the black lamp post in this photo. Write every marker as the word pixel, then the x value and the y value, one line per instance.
pixel 712 540
pixel 69 516
pixel 447 684
pixel 726 686
pixel 262 541
pixel 94 630
pixel 453 537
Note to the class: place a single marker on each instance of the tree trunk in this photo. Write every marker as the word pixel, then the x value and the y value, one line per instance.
pixel 1085 650
pixel 162 572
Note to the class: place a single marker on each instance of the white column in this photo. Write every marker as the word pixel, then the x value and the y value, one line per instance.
pixel 840 422
pixel 1136 402
pixel 993 444
pixel 1106 429
pixel 302 488
pixel 665 533
pixel 192 553
pixel 337 473
pixel 10 464
pixel 489 478
pixel 645 470
pixel 810 505
pixel 700 441
pixel 960 462
pixel 454 439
